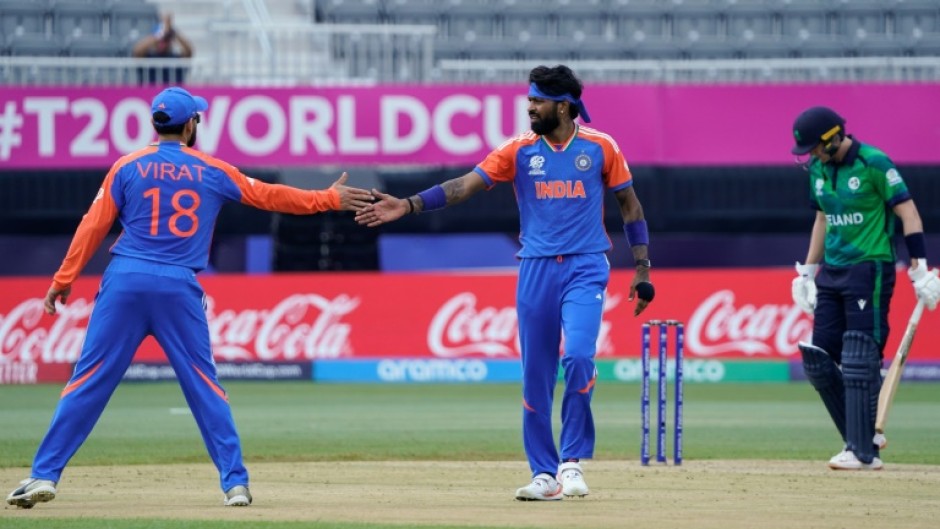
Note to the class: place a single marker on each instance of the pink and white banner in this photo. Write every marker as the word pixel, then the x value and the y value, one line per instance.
pixel 459 125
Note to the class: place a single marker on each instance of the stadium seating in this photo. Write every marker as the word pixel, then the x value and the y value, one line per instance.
pixel 78 19
pixel 131 20
pixel 35 44
pixel 524 30
pixel 18 17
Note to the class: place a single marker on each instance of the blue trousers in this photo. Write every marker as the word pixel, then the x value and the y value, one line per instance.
pixel 139 298
pixel 559 296
pixel 852 298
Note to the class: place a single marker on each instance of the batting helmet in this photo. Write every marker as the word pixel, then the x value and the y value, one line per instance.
pixel 814 126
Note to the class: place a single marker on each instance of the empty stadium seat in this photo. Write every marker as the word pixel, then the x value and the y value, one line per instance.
pixel 767 48
pixel 74 19
pixel 95 46
pixel 882 46
pixel 916 22
pixel 351 11
pixel 482 20
pixel 416 12
pixel 928 46
pixel 19 17
pixel 713 48
pixel 31 44
pixel 527 18
pixel 695 23
pixel 750 22
pixel 587 18
pixel 804 23
pixel 605 48
pixel 640 23
pixel 132 20
pixel 860 22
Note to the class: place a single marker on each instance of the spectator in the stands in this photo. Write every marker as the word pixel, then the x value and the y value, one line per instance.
pixel 167 43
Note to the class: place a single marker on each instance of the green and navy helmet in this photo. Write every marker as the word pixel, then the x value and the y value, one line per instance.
pixel 814 126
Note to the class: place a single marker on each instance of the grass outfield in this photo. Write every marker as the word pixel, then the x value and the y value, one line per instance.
pixel 149 423
pixel 305 422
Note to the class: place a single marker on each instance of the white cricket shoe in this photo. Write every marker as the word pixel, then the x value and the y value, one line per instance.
pixel 32 491
pixel 846 460
pixel 238 496
pixel 543 487
pixel 572 480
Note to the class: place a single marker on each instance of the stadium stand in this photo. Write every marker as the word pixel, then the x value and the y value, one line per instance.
pixel 241 42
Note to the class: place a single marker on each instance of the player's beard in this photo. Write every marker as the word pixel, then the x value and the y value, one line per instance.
pixel 192 139
pixel 543 126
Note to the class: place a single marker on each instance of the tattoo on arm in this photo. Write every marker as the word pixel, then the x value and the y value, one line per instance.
pixel 454 190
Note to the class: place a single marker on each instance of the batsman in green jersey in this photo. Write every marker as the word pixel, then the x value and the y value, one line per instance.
pixel 848 277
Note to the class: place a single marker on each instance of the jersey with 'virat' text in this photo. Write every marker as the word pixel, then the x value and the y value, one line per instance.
pixel 559 189
pixel 167 197
pixel 857 197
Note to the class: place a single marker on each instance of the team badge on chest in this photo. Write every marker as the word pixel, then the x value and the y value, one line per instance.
pixel 583 162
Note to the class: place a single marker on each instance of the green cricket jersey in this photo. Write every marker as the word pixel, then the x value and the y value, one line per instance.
pixel 857 197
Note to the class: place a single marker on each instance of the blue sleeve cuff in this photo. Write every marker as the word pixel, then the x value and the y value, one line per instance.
pixel 486 178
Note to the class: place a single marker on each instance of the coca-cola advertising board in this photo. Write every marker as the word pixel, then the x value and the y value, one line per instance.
pixel 739 313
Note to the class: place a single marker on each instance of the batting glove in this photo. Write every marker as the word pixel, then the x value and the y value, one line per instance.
pixel 926 283
pixel 804 287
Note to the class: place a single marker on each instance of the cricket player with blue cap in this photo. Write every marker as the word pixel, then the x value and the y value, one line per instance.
pixel 559 171
pixel 167 197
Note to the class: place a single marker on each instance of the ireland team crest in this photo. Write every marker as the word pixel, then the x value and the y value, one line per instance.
pixel 583 162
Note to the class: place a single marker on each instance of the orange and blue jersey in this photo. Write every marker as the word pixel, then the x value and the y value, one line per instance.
pixel 560 189
pixel 167 197
pixel 563 276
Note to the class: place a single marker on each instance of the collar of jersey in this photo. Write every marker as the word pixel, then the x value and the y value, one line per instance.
pixel 567 143
pixel 852 153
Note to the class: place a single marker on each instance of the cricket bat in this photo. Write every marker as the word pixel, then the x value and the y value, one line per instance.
pixel 890 385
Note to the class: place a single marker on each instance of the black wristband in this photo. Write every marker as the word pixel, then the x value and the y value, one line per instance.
pixel 642 262
pixel 411 206
pixel 916 245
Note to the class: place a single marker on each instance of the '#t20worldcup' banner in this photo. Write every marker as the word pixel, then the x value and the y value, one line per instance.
pixel 71 127
pixel 302 317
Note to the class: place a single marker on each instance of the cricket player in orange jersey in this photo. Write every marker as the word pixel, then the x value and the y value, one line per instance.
pixel 559 171
pixel 167 197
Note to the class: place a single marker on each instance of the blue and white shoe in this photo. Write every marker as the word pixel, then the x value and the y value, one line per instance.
pixel 32 491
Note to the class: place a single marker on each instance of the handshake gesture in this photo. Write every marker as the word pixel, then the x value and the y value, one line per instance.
pixel 926 284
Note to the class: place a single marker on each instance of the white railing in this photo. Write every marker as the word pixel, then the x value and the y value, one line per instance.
pixel 98 71
pixel 825 70
pixel 304 53
pixel 337 57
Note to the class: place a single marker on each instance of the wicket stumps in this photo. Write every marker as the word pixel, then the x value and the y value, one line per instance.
pixel 662 369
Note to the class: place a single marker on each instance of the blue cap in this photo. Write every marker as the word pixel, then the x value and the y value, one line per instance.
pixel 179 104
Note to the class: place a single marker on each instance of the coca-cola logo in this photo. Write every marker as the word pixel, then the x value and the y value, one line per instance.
pixel 25 338
pixel 302 326
pixel 460 328
pixel 717 326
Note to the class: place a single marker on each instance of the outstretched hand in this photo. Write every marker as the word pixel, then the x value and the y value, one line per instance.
pixel 351 198
pixel 53 295
pixel 386 209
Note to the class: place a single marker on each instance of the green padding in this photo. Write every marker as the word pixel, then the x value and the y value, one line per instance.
pixel 696 370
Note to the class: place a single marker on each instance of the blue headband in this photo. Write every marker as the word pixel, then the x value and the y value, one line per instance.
pixel 582 110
